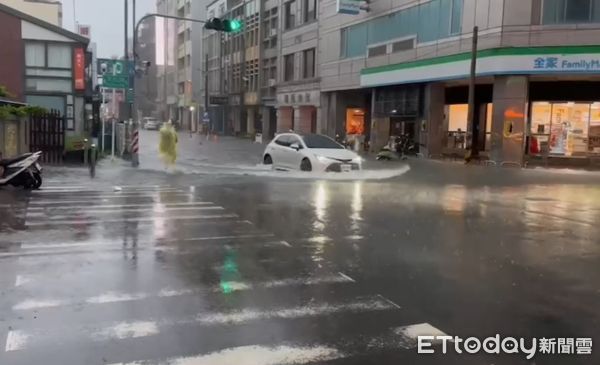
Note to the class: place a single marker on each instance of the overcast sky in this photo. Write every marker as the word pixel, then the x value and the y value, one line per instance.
pixel 106 19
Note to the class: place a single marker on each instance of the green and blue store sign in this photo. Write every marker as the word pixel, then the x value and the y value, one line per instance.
pixel 490 62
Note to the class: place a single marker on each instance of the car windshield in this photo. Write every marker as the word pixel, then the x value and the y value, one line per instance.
pixel 318 141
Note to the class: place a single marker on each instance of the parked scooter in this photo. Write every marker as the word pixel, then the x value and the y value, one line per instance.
pixel 22 171
pixel 398 148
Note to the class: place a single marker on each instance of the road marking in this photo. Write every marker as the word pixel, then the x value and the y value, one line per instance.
pixel 113 206
pixel 226 286
pixel 21 280
pixel 108 244
pixel 256 355
pixel 95 248
pixel 153 210
pixel 57 197
pixel 15 340
pixel 125 330
pixel 347 277
pixel 408 335
pixel 127 220
pixel 241 236
pixel 389 301
pixel 286 243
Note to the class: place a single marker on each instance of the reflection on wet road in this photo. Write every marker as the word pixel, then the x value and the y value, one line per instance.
pixel 257 271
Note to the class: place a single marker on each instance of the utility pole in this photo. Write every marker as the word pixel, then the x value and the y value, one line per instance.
pixel 206 84
pixel 474 152
pixel 243 81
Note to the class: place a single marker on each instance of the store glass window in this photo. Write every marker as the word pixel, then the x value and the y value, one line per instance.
pixel 594 131
pixel 457 125
pixel 563 129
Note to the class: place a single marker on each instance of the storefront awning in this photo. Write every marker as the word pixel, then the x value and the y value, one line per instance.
pixel 497 61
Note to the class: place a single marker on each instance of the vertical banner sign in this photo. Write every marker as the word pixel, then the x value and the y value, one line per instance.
pixel 79 69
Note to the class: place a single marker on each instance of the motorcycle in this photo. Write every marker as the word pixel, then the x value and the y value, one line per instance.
pixel 398 148
pixel 22 171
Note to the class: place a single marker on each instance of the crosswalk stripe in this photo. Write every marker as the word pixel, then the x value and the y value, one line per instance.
pixel 101 244
pixel 152 327
pixel 120 248
pixel 127 220
pixel 15 340
pixel 113 206
pixel 226 286
pixel 155 211
pixel 254 355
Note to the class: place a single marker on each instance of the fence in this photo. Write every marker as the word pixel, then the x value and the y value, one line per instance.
pixel 47 134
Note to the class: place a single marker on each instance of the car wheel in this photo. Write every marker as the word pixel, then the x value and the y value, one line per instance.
pixel 305 165
pixel 268 160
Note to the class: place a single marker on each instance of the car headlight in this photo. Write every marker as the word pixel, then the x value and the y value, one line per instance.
pixel 323 159
pixel 358 160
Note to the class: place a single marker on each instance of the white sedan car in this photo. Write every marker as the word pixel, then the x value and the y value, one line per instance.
pixel 310 152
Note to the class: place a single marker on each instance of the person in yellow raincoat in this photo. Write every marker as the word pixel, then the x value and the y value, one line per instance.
pixel 167 146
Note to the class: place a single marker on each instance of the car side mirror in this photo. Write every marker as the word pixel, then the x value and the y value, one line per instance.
pixel 295 146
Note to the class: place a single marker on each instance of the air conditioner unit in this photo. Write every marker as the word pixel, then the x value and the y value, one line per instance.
pixel 272 82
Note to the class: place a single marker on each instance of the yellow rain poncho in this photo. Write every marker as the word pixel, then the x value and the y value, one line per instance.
pixel 167 146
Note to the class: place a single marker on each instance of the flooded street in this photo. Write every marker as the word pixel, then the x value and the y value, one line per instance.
pixel 224 262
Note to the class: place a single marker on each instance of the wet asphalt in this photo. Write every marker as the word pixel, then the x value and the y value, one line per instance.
pixel 219 261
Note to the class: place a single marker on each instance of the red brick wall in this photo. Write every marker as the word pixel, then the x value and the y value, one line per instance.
pixel 12 56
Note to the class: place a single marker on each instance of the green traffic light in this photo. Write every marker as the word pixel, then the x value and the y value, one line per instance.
pixel 235 25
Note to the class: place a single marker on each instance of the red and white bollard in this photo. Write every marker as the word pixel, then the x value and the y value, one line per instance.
pixel 135 147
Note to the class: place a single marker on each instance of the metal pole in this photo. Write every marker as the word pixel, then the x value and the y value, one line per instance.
pixel 103 117
pixel 134 39
pixel 206 85
pixel 112 145
pixel 243 81
pixel 471 113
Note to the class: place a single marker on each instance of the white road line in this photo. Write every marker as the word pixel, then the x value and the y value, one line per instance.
pixel 241 236
pixel 255 355
pixel 15 340
pixel 21 280
pixel 127 220
pixel 124 330
pixel 128 330
pixel 92 248
pixel 103 244
pixel 113 206
pixel 286 243
pixel 347 277
pixel 57 197
pixel 155 210
pixel 408 335
pixel 389 301
pixel 228 287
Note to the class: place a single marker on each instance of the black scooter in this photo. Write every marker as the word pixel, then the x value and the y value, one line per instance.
pixel 22 171
pixel 398 148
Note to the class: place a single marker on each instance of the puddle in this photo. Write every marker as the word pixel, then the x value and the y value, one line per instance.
pixel 261 170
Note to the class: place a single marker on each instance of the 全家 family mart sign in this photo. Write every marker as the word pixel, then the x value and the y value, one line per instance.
pixel 498 61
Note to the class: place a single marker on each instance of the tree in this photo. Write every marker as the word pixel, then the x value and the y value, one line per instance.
pixel 3 92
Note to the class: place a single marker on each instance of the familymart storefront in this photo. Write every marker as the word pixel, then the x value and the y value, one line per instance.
pixel 537 103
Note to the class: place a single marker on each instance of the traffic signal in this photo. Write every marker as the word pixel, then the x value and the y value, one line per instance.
pixel 224 25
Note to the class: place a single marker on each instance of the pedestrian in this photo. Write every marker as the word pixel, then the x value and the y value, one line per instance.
pixel 168 144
